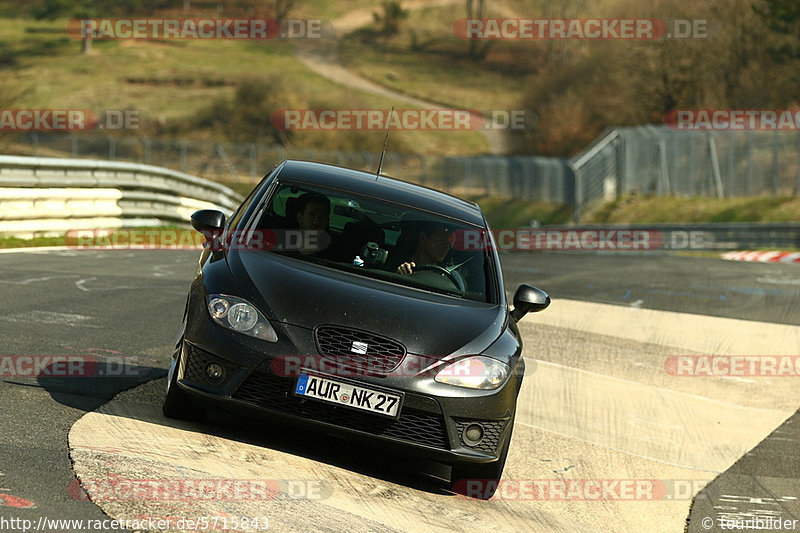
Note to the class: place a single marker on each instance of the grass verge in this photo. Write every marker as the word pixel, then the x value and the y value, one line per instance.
pixel 636 209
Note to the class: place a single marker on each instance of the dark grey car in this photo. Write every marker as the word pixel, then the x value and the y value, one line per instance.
pixel 387 322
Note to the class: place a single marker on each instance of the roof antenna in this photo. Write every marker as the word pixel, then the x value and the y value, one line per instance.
pixel 385 142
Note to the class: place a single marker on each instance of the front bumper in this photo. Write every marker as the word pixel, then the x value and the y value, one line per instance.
pixel 431 423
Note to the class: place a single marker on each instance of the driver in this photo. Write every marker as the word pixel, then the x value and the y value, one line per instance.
pixel 433 245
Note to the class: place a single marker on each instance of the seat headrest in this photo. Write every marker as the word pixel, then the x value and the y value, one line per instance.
pixel 291 211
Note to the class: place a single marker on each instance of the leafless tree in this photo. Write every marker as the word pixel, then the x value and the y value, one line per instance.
pixel 476 9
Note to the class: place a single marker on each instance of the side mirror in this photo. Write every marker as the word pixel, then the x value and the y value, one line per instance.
pixel 208 220
pixel 210 223
pixel 529 299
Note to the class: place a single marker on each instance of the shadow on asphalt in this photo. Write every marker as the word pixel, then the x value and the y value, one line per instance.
pixel 92 384
pixel 328 448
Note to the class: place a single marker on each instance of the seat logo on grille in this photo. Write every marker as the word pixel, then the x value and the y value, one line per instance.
pixel 359 347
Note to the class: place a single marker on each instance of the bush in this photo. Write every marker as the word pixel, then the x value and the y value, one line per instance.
pixel 247 116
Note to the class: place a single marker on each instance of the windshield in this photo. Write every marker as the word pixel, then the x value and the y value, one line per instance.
pixel 377 239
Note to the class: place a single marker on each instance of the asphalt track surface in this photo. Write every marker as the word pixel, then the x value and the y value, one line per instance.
pixel 597 405
pixel 697 285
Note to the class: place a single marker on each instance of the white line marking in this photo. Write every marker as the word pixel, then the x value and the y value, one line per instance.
pixel 31 280
pixel 778 281
pixel 80 283
pixel 50 317
pixel 33 249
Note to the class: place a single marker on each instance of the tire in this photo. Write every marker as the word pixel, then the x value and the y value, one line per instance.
pixel 481 481
pixel 177 403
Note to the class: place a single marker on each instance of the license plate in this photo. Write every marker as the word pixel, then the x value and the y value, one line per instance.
pixel 339 393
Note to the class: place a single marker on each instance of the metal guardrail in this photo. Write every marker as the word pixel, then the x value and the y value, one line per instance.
pixel 713 236
pixel 40 196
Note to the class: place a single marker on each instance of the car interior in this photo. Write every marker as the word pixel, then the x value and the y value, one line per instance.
pixel 379 240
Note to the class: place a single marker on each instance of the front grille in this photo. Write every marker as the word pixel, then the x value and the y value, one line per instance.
pixel 335 343
pixel 492 429
pixel 273 392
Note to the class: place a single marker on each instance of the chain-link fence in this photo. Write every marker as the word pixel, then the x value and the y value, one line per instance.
pixel 648 160
pixel 544 179
pixel 657 161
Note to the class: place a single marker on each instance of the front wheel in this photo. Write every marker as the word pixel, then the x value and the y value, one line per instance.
pixel 481 481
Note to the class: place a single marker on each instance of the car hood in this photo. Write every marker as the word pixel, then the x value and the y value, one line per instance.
pixel 307 295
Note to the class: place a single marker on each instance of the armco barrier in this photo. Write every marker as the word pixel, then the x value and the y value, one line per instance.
pixel 712 236
pixel 47 196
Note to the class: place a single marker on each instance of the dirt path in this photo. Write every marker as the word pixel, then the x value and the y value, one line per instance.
pixel 322 59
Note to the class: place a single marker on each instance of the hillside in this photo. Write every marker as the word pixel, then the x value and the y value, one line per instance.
pixel 570 90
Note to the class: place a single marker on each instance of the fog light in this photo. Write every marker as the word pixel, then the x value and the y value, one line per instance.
pixel 215 372
pixel 473 434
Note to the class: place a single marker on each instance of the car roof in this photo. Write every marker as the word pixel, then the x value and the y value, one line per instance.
pixel 359 182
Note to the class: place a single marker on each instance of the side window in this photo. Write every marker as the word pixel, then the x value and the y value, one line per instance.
pixel 236 218
pixel 237 215
pixel 278 205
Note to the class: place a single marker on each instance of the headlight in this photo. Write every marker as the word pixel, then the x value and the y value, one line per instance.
pixel 476 372
pixel 240 315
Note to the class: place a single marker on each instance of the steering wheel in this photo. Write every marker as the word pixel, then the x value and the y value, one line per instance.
pixel 440 270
